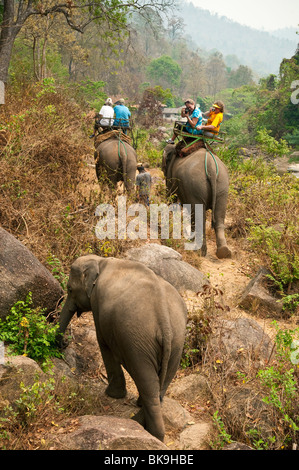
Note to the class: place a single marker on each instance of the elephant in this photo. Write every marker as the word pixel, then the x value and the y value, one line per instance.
pixel 119 159
pixel 140 322
pixel 200 178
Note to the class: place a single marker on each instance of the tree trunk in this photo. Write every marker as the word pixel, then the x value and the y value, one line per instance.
pixel 9 31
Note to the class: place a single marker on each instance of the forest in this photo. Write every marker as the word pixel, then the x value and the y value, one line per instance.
pixel 60 61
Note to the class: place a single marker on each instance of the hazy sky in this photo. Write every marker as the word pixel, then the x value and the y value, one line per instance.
pixel 259 14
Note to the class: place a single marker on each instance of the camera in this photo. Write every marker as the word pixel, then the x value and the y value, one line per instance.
pixel 187 110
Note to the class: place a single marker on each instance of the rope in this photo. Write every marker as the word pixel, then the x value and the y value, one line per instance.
pixel 121 142
pixel 206 162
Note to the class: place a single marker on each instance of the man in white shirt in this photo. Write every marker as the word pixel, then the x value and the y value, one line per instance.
pixel 106 113
pixel 105 117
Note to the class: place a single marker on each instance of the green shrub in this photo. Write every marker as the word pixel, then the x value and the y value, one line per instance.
pixel 270 145
pixel 27 332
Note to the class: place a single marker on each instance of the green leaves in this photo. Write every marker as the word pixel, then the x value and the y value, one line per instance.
pixel 27 332
pixel 165 71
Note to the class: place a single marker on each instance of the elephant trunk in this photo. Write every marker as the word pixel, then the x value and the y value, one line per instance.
pixel 66 315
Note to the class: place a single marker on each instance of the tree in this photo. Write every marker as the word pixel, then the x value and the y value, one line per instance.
pixel 165 72
pixel 216 74
pixel 242 76
pixel 78 14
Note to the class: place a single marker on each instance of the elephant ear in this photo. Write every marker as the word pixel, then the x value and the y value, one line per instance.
pixel 90 273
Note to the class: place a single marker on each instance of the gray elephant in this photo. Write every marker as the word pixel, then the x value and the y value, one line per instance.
pixel 140 322
pixel 119 159
pixel 200 178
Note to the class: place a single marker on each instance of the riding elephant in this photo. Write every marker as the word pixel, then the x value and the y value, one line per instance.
pixel 200 178
pixel 140 322
pixel 118 159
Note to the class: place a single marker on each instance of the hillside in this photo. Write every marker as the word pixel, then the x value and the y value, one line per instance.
pixel 259 50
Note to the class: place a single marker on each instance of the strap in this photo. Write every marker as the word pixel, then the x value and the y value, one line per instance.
pixel 206 162
pixel 121 142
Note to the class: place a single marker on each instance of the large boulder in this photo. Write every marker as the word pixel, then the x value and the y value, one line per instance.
pixel 240 342
pixel 105 433
pixel 168 264
pixel 257 298
pixel 21 272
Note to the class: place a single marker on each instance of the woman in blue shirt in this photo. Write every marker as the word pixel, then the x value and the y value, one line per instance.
pixel 194 119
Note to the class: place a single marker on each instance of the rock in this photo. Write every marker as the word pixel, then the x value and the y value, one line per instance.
pixel 196 436
pixel 105 433
pixel 174 415
pixel 21 272
pixel 191 388
pixel 237 446
pixel 17 369
pixel 168 264
pixel 294 169
pixel 245 410
pixel 294 155
pixel 240 341
pixel 256 296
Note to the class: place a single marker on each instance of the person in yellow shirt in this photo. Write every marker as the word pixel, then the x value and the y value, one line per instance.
pixel 215 118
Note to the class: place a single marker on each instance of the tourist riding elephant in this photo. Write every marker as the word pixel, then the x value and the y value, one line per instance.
pixel 140 322
pixel 118 159
pixel 200 178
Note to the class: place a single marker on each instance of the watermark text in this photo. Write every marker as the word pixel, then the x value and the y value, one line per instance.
pixel 1 352
pixel 2 93
pixel 161 221
pixel 295 94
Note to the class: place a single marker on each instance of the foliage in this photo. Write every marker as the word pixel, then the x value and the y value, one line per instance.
pixel 27 332
pixel 277 244
pixel 93 93
pixel 223 437
pixel 165 70
pixel 265 212
pixel 270 145
pixel 199 325
pixel 280 383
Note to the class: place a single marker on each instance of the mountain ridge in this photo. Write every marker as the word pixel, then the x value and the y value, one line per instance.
pixel 261 50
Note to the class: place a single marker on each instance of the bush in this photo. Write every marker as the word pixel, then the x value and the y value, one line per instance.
pixel 27 332
pixel 271 146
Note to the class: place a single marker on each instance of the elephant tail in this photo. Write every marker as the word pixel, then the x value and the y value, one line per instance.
pixel 166 347
pixel 166 352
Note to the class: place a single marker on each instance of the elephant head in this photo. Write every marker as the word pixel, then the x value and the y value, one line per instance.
pixel 83 275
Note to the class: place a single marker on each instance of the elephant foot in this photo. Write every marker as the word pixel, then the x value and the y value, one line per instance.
pixel 139 417
pixel 223 252
pixel 114 392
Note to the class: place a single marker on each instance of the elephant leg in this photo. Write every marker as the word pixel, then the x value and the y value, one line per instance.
pixel 116 378
pixel 150 415
pixel 148 384
pixel 223 250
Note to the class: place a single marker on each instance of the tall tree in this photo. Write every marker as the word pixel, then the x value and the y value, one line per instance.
pixel 77 13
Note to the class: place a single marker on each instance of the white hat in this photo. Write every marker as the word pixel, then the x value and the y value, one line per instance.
pixel 109 101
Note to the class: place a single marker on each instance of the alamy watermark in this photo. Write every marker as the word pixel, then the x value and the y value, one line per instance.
pixel 294 357
pixel 295 94
pixel 1 352
pixel 163 220
pixel 2 93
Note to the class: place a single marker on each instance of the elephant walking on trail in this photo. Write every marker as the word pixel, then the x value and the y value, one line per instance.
pixel 140 322
pixel 119 159
pixel 200 178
